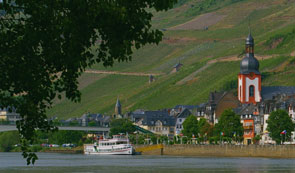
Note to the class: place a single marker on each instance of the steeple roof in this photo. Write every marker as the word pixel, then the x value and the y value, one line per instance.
pixel 249 63
pixel 118 104
pixel 250 39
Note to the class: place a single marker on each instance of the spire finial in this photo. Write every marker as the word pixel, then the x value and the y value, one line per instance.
pixel 249 26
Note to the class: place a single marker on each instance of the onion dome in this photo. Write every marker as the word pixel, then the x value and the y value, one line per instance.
pixel 249 64
pixel 250 40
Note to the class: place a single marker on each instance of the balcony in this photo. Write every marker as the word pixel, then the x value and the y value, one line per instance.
pixel 248 127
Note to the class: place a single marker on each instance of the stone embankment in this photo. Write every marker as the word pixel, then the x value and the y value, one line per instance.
pixel 269 151
pixel 76 150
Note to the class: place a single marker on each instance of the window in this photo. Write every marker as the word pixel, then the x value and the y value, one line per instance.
pixel 240 92
pixel 180 120
pixel 251 91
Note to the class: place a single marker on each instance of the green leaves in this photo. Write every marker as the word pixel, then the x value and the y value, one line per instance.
pixel 206 129
pixel 121 126
pixel 190 126
pixel 46 45
pixel 229 123
pixel 277 122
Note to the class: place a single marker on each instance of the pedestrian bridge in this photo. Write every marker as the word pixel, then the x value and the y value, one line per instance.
pixel 5 128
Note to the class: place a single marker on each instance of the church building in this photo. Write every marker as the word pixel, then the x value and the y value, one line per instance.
pixel 249 78
pixel 257 102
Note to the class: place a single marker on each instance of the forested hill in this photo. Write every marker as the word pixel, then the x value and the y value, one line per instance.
pixel 207 37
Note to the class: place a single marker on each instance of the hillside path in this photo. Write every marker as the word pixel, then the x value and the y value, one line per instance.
pixel 223 59
pixel 199 22
pixel 122 73
pixel 187 78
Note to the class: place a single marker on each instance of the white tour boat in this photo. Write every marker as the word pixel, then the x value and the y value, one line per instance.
pixel 119 145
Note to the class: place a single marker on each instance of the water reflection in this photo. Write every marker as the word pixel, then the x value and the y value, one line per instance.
pixel 49 162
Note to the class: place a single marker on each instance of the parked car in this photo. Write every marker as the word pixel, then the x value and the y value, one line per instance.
pixel 54 145
pixel 44 145
pixel 68 145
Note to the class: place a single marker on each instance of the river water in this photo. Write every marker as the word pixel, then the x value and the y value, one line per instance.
pixel 52 162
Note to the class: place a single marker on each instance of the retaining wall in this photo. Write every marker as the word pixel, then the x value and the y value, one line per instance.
pixel 272 151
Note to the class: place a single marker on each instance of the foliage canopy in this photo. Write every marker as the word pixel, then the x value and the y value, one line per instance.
pixel 46 45
pixel 229 123
pixel 206 129
pixel 190 126
pixel 121 126
pixel 8 140
pixel 277 122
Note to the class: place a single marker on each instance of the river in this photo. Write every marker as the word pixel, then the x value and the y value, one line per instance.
pixel 52 162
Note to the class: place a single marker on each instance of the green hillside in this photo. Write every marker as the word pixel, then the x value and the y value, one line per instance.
pixel 207 37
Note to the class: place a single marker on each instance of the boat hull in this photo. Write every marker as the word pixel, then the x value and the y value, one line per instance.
pixel 90 149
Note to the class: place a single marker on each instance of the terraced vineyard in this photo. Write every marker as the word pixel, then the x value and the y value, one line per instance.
pixel 208 39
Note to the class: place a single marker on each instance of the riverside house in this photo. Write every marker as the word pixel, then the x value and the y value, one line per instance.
pixel 180 118
pixel 158 122
pixel 9 115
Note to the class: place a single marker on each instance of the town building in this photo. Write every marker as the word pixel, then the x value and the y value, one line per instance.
pixel 95 120
pixel 158 122
pixel 201 112
pixel 218 102
pixel 176 67
pixel 180 119
pixel 9 115
pixel 179 108
pixel 256 101
pixel 251 120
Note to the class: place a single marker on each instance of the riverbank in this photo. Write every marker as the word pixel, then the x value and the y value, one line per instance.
pixel 76 150
pixel 267 151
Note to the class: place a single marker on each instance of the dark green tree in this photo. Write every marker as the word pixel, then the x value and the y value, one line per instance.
pixel 229 123
pixel 74 123
pixel 190 126
pixel 256 139
pixel 46 45
pixel 92 123
pixel 65 137
pixel 8 140
pixel 122 125
pixel 277 122
pixel 205 127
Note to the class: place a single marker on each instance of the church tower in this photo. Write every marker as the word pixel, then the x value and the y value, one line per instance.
pixel 118 107
pixel 249 78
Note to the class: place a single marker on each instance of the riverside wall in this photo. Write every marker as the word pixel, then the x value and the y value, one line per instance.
pixel 270 151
